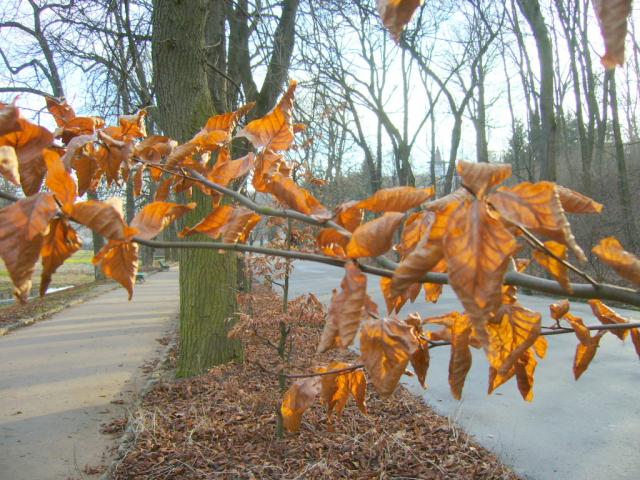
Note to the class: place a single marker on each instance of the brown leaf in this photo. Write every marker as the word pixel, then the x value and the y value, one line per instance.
pixel 346 310
pixel 421 260
pixel 395 14
pixel 138 178
pixel 375 237
pixel 612 16
pixel 59 180
pixel 358 387
pixel 329 237
pixel 299 397
pixel 228 121
pixel 180 155
pixel 553 266
pixel 574 202
pixel 275 130
pixel 153 148
pixel 9 164
pixel 132 126
pixel 337 388
pixel 155 217
pixel 28 143
pixel 290 194
pixel 558 310
pixel 515 330
pixel 23 225
pixel 581 331
pixel 386 346
pixel 349 216
pixel 611 252
pixel 460 360
pixel 420 358
pixel 478 249
pixel 103 218
pixel 233 224
pixel 9 115
pixel 537 207
pixel 397 199
pixel 267 164
pixel 525 368
pixel 61 111
pixel 608 316
pixel 479 178
pixel 456 197
pixel 396 302
pixel 59 244
pixel 119 261
pixel 415 227
pixel 164 189
pixel 223 172
pixel 118 153
pixel 585 353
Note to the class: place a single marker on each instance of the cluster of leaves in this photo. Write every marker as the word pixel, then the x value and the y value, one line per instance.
pixel 473 234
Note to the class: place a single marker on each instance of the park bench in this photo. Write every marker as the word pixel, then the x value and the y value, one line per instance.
pixel 140 277
pixel 164 267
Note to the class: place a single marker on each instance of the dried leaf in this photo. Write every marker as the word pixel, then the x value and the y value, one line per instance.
pixel 515 330
pixel 612 16
pixel 290 194
pixel 299 397
pixel 23 225
pixel 525 368
pixel 635 338
pixel 118 153
pixel 223 172
pixel 608 316
pixel 478 249
pixel 420 358
pixel 611 252
pixel 397 199
pixel 103 218
pixel 328 237
pixel 119 261
pixel 537 207
pixel 132 126
pixel 386 346
pixel 420 261
pixel 9 115
pixel 396 302
pixel 59 180
pixel 415 227
pixel 479 178
pixel 558 310
pixel 275 130
pixel 585 353
pixel 553 266
pixel 335 389
pixel 59 244
pixel 180 154
pixel 346 310
pixel 349 215
pixel 155 217
pixel 9 165
pixel 574 202
pixel 233 224
pixel 267 164
pixel 460 360
pixel 375 237
pixel 581 331
pixel 395 14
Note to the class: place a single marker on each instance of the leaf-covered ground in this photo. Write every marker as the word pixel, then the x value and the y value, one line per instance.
pixel 222 424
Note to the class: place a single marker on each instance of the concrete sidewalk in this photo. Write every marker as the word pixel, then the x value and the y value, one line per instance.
pixel 59 377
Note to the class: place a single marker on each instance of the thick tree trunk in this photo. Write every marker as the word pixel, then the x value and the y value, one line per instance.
pixel 207 279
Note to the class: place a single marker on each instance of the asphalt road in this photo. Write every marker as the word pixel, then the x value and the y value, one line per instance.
pixel 59 378
pixel 588 429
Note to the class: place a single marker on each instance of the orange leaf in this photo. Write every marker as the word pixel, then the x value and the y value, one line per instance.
pixel 28 143
pixel 346 310
pixel 515 330
pixel 267 164
pixel 397 199
pixel 460 360
pixel 273 131
pixel 59 244
pixel 396 302
pixel 374 238
pixel 395 14
pixel 415 227
pixel 132 126
pixel 180 155
pixel 420 261
pixel 574 202
pixel 558 310
pixel 537 207
pixel 635 338
pixel 9 164
pixel 228 121
pixel 553 266
pixel 330 236
pixel 119 261
pixel 153 148
pixel 456 197
pixel 23 225
pixel 627 265
pixel 337 388
pixel 118 152
pixel 478 249
pixel 525 368
pixel 420 358
pixel 612 16
pixel 59 181
pixel 223 172
pixel 581 331
pixel 164 189
pixel 479 178
pixel 155 217
pixel 386 346
pixel 234 224
pixel 103 218
pixel 540 347
pixel 298 398
pixel 585 353
pixel 349 216
pixel 290 194
pixel 608 316
pixel 62 112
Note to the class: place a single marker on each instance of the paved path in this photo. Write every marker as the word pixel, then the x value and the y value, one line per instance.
pixel 588 429
pixel 59 377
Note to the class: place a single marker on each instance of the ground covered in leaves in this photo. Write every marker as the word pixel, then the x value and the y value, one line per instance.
pixel 223 424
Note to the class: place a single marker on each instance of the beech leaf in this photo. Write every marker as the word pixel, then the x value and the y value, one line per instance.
pixel 553 266
pixel 155 217
pixel 611 252
pixel 608 316
pixel 460 360
pixel 300 396
pixel 397 199
pixel 9 164
pixel 395 14
pixel 375 237
pixel 59 180
pixel 103 218
pixel 612 16
pixel 479 178
pixel 60 243
pixel 119 261
pixel 574 202
pixel 233 224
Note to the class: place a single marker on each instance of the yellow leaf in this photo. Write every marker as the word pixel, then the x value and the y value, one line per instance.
pixel 558 310
pixel 585 353
pixel 553 266
pixel 607 316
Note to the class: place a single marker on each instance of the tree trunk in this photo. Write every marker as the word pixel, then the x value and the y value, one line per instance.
pixel 207 278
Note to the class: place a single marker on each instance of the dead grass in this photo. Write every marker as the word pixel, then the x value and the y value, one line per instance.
pixel 222 425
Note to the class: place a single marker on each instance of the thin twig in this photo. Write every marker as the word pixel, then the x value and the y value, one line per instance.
pixel 330 372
